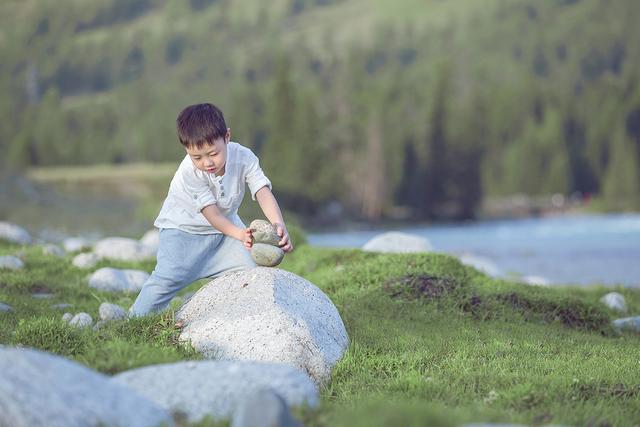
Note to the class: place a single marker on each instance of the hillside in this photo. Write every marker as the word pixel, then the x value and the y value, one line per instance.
pixel 428 105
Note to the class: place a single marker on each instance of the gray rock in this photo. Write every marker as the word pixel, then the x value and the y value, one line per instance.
pixel 215 388
pixel 67 317
pixel 627 324
pixel 264 232
pixel 480 263
pixel 266 255
pixel 81 320
pixel 11 262
pixel 75 244
pixel 85 260
pixel 115 280
pixel 61 306
pixel 263 407
pixel 39 389
pixel 14 233
pixel 5 308
pixel 53 250
pixel 111 311
pixel 151 239
pixel 614 301
pixel 266 314
pixel 397 242
pixel 123 249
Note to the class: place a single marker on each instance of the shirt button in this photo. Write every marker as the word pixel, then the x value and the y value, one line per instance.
pixel 195 196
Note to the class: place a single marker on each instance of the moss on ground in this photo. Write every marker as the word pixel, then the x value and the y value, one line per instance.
pixel 433 342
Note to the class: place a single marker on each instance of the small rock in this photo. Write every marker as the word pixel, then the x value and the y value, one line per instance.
pixel 266 255
pixel 61 306
pixel 14 233
pixel 123 249
pixel 5 308
pixel 85 260
pixel 480 263
pixel 111 311
pixel 396 242
pixel 115 280
pixel 536 280
pixel 264 232
pixel 11 262
pixel 627 324
pixel 614 301
pixel 264 407
pixel 75 244
pixel 67 317
pixel 151 239
pixel 81 320
pixel 54 250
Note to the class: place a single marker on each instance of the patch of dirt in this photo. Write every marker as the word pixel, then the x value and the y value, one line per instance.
pixel 39 288
pixel 415 286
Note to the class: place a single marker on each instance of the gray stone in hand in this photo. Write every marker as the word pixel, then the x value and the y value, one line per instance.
pixel 263 232
pixel 266 255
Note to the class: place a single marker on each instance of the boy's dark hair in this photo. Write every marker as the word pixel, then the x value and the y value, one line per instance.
pixel 200 124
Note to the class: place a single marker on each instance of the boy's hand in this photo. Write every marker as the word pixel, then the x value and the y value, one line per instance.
pixel 247 238
pixel 285 242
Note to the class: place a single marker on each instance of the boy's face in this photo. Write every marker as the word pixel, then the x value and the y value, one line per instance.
pixel 211 158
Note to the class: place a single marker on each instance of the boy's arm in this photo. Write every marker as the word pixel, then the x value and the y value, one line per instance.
pixel 226 227
pixel 271 210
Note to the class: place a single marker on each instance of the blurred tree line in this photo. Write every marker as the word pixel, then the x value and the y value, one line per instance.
pixel 426 120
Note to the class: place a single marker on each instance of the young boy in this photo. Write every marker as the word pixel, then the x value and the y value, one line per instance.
pixel 201 234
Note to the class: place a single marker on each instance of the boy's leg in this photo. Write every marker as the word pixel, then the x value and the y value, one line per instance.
pixel 230 255
pixel 180 259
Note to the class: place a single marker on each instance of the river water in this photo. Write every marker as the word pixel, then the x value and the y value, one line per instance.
pixel 586 249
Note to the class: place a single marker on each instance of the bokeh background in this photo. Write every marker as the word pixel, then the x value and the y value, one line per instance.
pixel 361 111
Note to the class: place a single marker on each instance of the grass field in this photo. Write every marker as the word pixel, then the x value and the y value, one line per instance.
pixel 432 342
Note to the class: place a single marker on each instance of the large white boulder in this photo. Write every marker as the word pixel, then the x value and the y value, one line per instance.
pixel 41 389
pixel 266 314
pixel 123 249
pixel 215 388
pixel 116 280
pixel 397 242
pixel 14 233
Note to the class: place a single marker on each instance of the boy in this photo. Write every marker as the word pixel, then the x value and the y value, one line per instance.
pixel 201 234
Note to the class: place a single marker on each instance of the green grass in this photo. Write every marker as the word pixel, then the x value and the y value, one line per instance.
pixel 432 342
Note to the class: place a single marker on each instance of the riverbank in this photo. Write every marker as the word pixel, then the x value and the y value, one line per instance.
pixel 432 342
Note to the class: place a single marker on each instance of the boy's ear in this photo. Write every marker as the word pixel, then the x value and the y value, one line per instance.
pixel 227 136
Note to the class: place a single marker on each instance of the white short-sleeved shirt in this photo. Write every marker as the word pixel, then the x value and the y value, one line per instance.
pixel 192 189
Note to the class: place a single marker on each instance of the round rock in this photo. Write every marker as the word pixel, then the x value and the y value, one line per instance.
pixel 266 314
pixel 116 280
pixel 397 242
pixel 614 301
pixel 75 244
pixel 263 407
pixel 266 255
pixel 627 324
pixel 53 250
pixel 85 260
pixel 264 232
pixel 123 249
pixel 111 311
pixel 67 317
pixel 5 308
pixel 41 389
pixel 81 320
pixel 151 239
pixel 11 262
pixel 215 388
pixel 14 233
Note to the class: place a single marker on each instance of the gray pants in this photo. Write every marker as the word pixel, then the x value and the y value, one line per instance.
pixel 184 258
